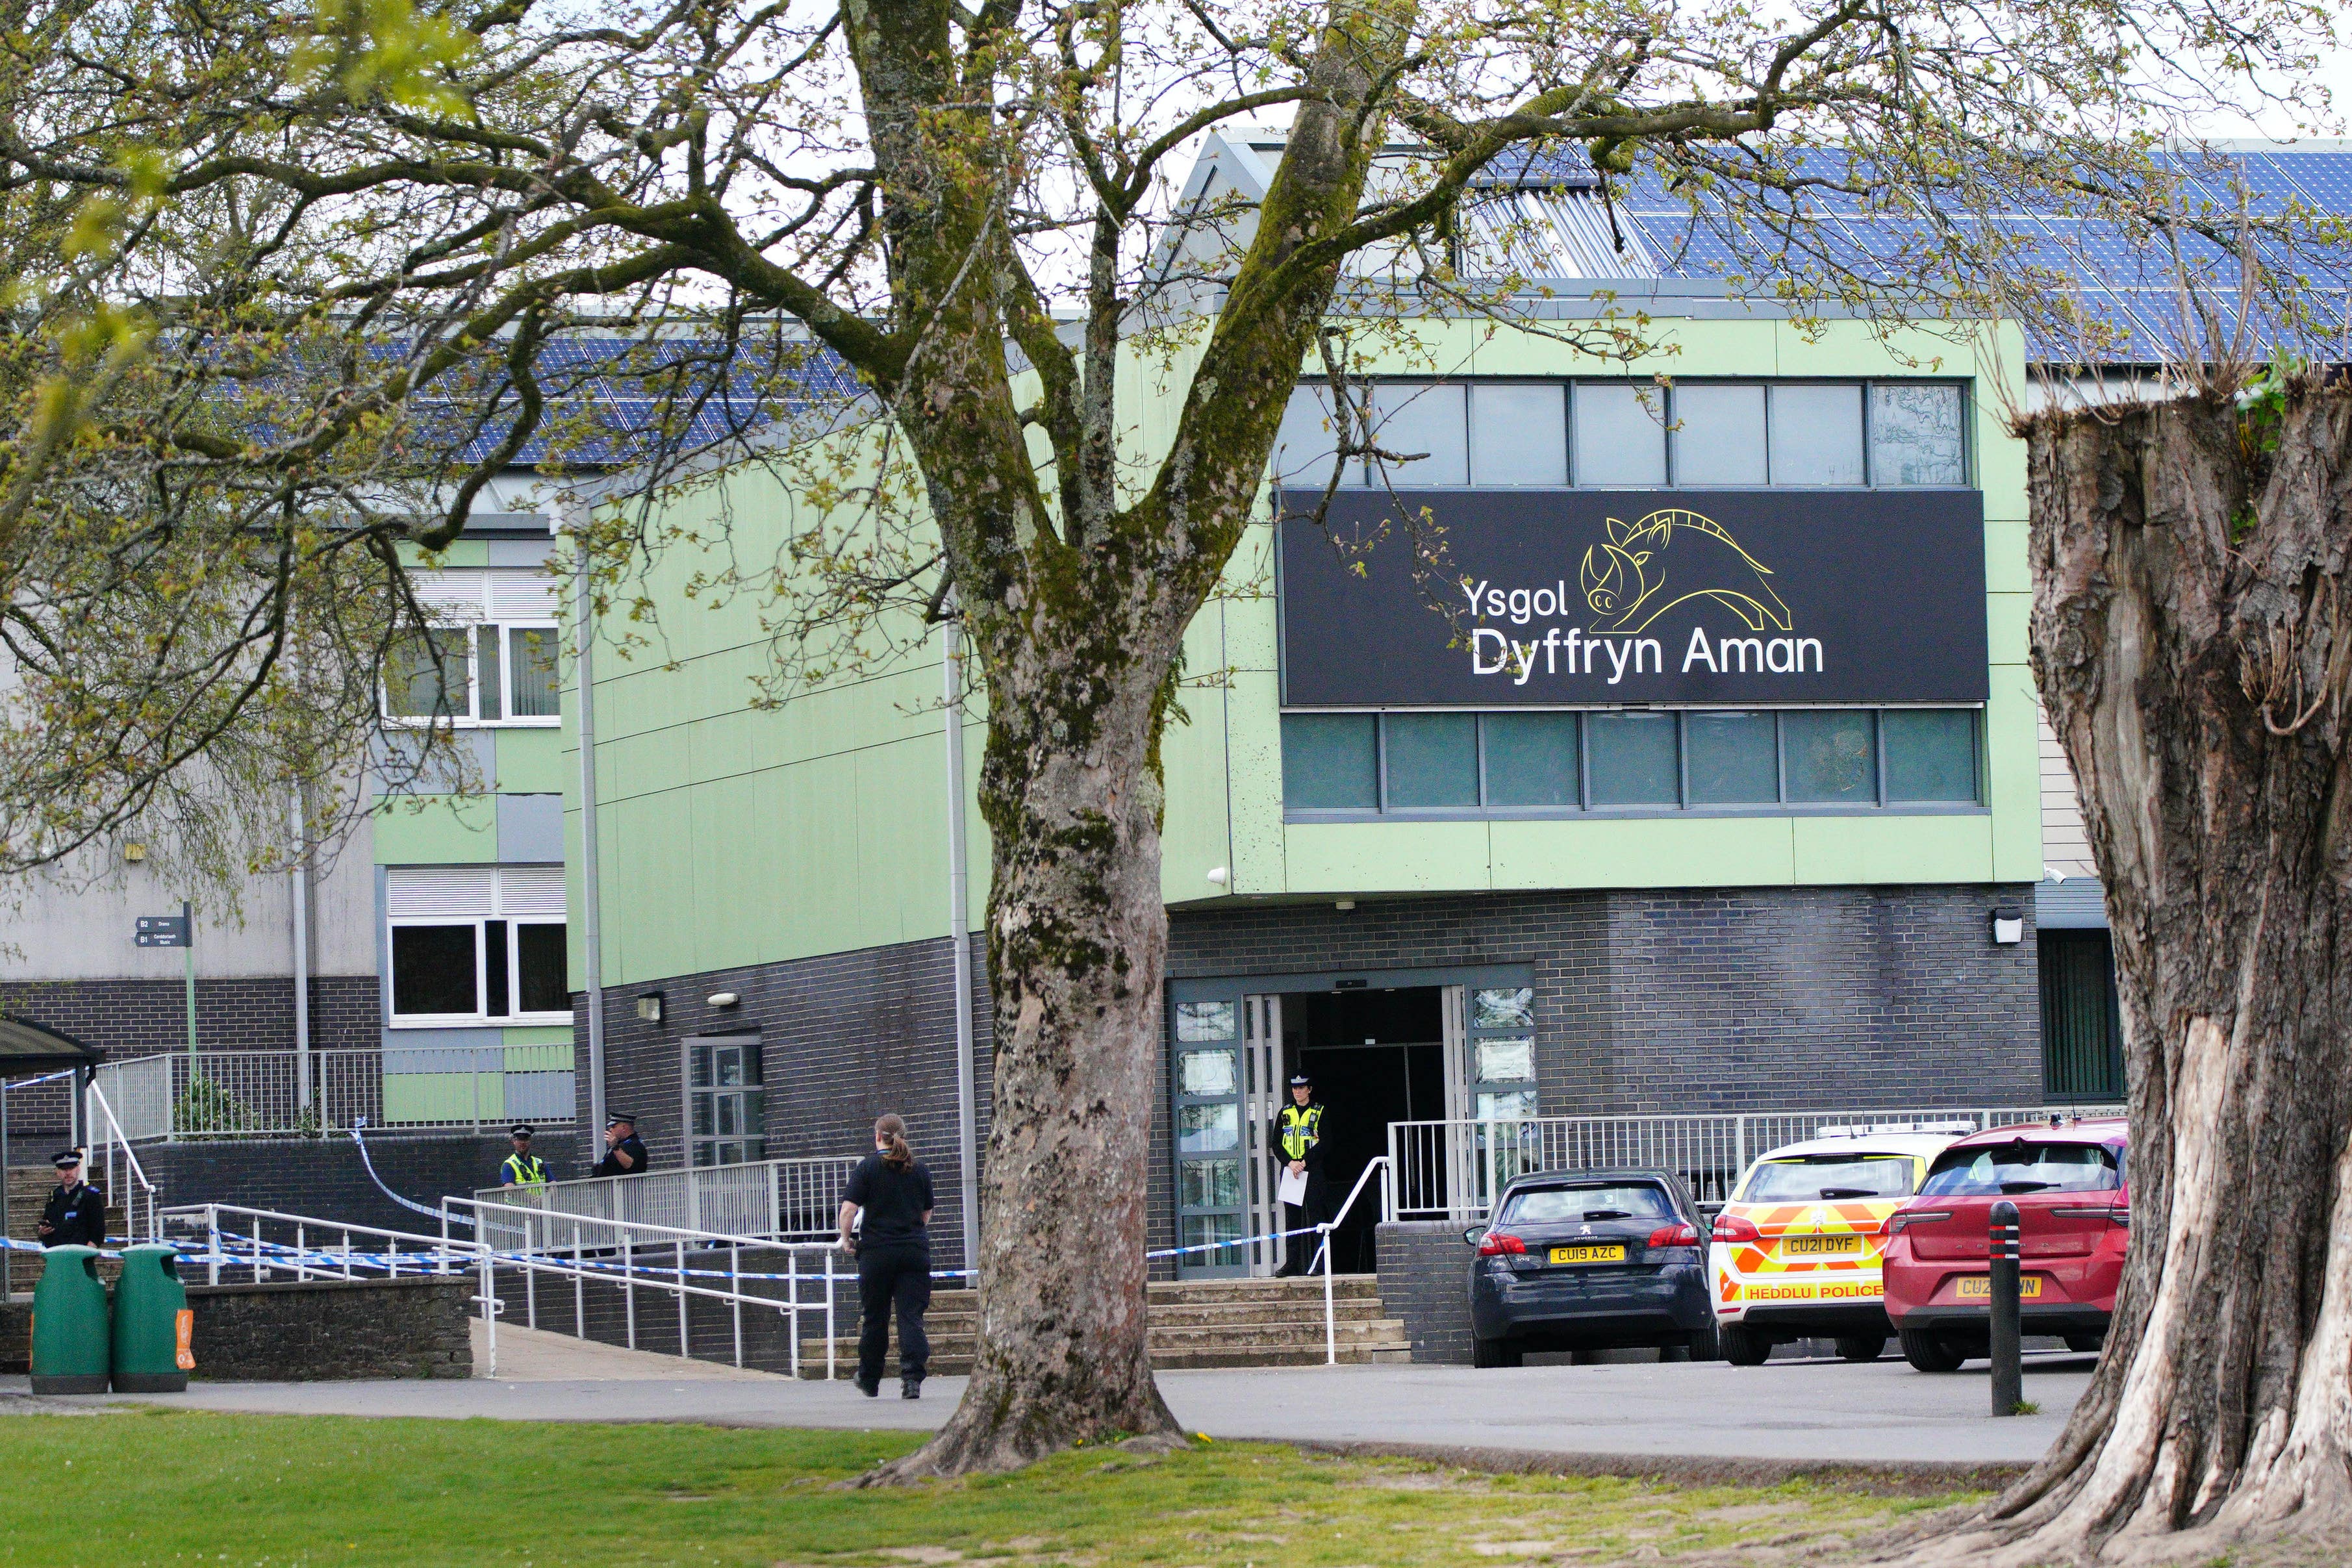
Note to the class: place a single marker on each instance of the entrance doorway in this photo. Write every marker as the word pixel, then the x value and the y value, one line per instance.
pixel 1377 1056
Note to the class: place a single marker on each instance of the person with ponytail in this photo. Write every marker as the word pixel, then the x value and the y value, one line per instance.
pixel 885 1214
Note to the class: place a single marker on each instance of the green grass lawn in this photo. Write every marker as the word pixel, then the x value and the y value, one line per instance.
pixel 150 1485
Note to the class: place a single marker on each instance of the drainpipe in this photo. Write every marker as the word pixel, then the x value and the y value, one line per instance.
pixel 959 937
pixel 592 937
pixel 298 880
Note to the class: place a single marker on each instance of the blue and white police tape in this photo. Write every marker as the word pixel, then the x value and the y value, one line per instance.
pixel 358 1123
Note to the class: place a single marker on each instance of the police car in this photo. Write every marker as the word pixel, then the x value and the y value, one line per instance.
pixel 1795 1253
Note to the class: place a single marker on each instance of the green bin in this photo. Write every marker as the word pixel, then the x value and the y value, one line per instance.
pixel 69 1333
pixel 152 1323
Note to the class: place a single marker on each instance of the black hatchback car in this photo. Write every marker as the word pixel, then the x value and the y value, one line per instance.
pixel 1589 1261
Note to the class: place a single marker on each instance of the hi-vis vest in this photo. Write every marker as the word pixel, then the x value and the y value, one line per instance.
pixel 1299 1129
pixel 527 1170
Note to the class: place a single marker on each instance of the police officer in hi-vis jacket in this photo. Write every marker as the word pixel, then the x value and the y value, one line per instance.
pixel 1295 1141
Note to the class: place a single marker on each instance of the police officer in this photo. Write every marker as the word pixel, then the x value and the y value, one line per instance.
pixel 625 1156
pixel 522 1168
pixel 1296 1139
pixel 77 1213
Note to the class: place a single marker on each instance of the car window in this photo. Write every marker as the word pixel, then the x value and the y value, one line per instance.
pixel 1808 1178
pixel 2021 1167
pixel 1545 1206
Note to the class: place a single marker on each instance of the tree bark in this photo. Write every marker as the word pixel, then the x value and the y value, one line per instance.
pixel 2190 642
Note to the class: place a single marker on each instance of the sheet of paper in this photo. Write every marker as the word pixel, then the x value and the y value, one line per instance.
pixel 1294 1186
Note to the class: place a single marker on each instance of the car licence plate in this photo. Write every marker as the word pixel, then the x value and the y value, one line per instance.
pixel 1820 1246
pixel 1611 1253
pixel 1978 1287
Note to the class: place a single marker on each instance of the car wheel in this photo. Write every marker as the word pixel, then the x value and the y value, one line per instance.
pixel 1861 1347
pixel 1495 1353
pixel 1703 1344
pixel 1742 1346
pixel 1929 1351
pixel 2087 1344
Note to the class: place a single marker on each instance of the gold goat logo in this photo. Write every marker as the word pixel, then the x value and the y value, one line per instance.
pixel 1647 568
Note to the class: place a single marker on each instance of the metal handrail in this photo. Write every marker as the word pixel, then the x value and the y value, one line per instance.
pixel 130 1162
pixel 445 1254
pixel 1330 1319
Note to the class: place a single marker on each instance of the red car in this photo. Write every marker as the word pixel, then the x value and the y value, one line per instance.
pixel 2070 1182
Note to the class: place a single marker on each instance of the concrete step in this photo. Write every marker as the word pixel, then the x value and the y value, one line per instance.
pixel 1237 1344
pixel 949 1313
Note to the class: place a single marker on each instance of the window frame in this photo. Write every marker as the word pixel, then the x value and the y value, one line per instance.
pixel 1584 810
pixel 514 1017
pixel 754 1048
pixel 471 718
pixel 1360 475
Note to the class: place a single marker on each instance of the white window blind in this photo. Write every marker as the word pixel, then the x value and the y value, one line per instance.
pixel 452 892
pixel 474 892
pixel 455 594
pixel 531 891
pixel 520 595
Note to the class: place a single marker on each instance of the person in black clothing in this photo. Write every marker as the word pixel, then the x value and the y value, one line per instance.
pixel 624 1155
pixel 1295 1139
pixel 77 1213
pixel 893 1191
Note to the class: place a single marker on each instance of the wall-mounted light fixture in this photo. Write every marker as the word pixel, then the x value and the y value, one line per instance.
pixel 135 852
pixel 1343 905
pixel 1219 875
pixel 722 999
pixel 649 1006
pixel 2008 926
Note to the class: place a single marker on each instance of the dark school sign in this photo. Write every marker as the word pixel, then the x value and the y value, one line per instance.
pixel 1603 596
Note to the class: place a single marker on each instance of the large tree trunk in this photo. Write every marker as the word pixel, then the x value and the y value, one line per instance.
pixel 1077 941
pixel 2190 637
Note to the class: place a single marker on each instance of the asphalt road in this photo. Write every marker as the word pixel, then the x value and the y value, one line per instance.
pixel 1821 1411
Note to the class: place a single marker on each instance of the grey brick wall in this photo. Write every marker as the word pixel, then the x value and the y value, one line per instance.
pixel 1725 1000
pixel 844 1039
pixel 141 1017
pixel 1424 1273
pixel 323 1176
pixel 330 1330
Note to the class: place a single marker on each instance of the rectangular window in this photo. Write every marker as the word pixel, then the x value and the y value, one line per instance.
pixel 1816 435
pixel 488 687
pixel 1423 427
pixel 726 1106
pixel 436 969
pixel 1915 434
pixel 535 679
pixel 1719 435
pixel 1734 759
pixel 1931 753
pixel 1632 759
pixel 1330 762
pixel 494 969
pixel 1208 1129
pixel 1621 435
pixel 1308 439
pixel 1518 434
pixel 1530 758
pixel 425 675
pixel 1433 760
pixel 1833 757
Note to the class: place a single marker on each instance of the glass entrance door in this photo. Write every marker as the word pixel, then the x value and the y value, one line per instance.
pixel 1209 1080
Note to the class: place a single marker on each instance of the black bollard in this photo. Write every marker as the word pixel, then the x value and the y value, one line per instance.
pixel 2008 1376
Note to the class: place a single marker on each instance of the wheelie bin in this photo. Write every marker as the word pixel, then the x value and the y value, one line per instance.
pixel 69 1330
pixel 152 1323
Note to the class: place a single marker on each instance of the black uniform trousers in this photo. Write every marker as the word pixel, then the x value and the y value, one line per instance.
pixel 893 1275
pixel 1299 1251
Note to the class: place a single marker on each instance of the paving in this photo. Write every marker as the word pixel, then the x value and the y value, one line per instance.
pixel 1824 1412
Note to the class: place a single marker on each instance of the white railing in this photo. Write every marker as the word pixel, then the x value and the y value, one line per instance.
pixel 797 1199
pixel 1452 1170
pixel 115 1165
pixel 1324 1232
pixel 235 1244
pixel 262 1094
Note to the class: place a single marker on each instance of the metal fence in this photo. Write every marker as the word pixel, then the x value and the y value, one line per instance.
pixel 263 1094
pixel 784 1199
pixel 1452 1170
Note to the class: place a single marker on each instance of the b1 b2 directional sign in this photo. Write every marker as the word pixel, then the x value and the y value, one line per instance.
pixel 163 931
